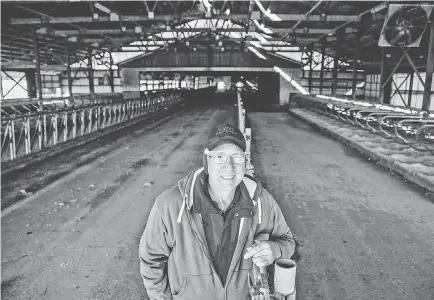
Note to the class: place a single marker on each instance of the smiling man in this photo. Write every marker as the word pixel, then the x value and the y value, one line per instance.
pixel 200 237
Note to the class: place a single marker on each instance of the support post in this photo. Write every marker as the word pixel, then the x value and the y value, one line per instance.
pixel 31 83
pixel 355 63
pixel 335 73
pixel 68 68
pixel 310 68
pixel 323 52
pixel 339 37
pixel 410 89
pixel 112 79
pixel 385 91
pixel 38 64
pixel 429 70
pixel 89 62
pixel 1 86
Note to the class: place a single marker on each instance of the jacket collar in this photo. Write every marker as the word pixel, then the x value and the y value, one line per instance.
pixel 186 187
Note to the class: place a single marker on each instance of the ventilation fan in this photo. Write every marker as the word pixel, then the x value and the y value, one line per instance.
pixel 404 25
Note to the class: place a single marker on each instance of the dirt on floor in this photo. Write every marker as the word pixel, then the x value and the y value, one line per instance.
pixel 362 232
pixel 77 238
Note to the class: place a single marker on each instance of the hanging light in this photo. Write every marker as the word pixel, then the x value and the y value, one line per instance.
pixel 256 52
pixel 267 12
pixel 102 8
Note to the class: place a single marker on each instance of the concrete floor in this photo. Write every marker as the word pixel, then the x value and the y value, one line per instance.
pixel 362 232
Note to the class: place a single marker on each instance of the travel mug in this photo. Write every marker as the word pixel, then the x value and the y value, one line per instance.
pixel 284 277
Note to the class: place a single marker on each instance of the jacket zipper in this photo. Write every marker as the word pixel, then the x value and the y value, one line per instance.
pixel 205 252
pixel 238 257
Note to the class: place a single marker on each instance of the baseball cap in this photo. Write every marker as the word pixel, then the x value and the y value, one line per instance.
pixel 226 134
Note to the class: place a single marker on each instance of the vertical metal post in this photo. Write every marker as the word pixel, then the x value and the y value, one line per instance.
pixel 65 126
pixel 1 86
pixel 335 73
pixel 82 125
pixel 339 38
pixel 429 70
pixel 27 142
pixel 89 62
pixel 355 63
pixel 55 129
pixel 384 90
pixel 12 143
pixel 38 64
pixel 310 68
pixel 410 89
pixel 323 50
pixel 68 68
pixel 112 79
pixel 74 123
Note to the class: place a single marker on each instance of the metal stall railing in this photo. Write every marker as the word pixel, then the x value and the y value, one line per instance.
pixel 407 126
pixel 30 125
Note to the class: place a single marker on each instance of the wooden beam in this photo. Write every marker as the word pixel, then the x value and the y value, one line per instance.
pixel 21 66
pixel 84 32
pixel 38 65
pixel 179 17
pixel 68 68
pixel 144 31
pixel 429 70
pixel 323 54
pixel 384 89
pixel 200 69
pixel 90 65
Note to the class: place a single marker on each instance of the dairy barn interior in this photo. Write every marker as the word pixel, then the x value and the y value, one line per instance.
pixel 106 104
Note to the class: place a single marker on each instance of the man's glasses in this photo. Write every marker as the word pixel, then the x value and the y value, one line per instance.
pixel 221 158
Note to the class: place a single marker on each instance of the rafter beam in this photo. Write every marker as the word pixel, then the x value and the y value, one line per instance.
pixel 84 32
pixel 178 17
pixel 14 66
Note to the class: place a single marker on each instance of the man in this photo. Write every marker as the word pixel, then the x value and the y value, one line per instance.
pixel 200 237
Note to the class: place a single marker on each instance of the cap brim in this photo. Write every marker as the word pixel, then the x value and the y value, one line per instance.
pixel 226 140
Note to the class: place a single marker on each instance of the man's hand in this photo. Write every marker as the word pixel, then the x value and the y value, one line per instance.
pixel 264 253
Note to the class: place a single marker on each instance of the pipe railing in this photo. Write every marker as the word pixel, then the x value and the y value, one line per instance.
pixel 247 132
pixel 34 126
pixel 405 126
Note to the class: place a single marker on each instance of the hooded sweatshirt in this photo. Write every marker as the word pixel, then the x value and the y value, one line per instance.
pixel 175 262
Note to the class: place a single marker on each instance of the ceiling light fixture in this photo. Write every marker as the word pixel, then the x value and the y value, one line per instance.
pixel 256 44
pixel 290 80
pixel 257 53
pixel 262 27
pixel 261 38
pixel 206 4
pixel 102 8
pixel 267 13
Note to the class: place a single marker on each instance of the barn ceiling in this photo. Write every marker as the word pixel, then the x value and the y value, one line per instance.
pixel 272 27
